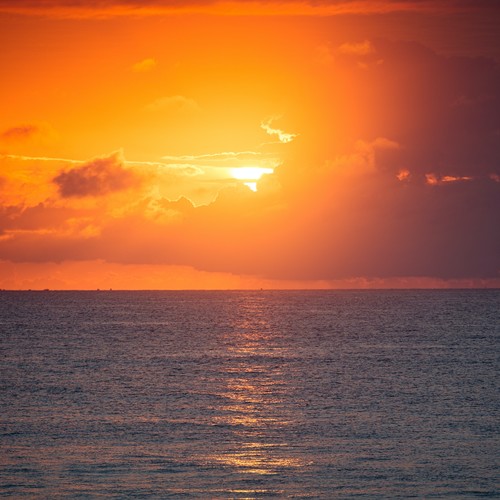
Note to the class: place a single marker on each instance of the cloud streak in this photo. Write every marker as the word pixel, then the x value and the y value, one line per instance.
pixel 121 8
pixel 225 155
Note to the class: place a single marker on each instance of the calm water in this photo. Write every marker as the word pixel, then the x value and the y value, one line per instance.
pixel 376 394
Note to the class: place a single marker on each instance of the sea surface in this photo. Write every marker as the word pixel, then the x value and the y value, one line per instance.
pixel 251 394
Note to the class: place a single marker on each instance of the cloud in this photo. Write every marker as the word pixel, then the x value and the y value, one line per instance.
pixel 174 103
pixel 411 100
pixel 220 164
pixel 180 168
pixel 144 66
pixel 26 132
pixel 20 132
pixel 225 155
pixel 343 227
pixel 357 49
pixel 114 8
pixel 43 218
pixel 39 158
pixel 98 177
pixel 168 211
pixel 434 180
pixel 283 137
pixel 403 175
pixel 30 180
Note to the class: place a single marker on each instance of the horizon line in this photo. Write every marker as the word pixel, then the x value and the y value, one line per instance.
pixel 368 289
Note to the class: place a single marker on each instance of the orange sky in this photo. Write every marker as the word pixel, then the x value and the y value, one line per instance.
pixel 329 144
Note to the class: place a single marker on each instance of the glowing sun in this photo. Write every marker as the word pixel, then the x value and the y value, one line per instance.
pixel 250 175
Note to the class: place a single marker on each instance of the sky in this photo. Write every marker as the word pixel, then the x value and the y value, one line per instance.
pixel 201 144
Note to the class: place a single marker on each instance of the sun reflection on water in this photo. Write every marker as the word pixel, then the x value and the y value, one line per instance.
pixel 258 458
pixel 254 394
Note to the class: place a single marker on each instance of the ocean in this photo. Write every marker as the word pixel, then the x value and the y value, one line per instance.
pixel 250 394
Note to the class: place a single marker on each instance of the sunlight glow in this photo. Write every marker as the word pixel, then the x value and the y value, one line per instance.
pixel 248 144
pixel 250 173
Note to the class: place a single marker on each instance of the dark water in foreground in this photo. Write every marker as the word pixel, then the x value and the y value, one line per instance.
pixel 375 394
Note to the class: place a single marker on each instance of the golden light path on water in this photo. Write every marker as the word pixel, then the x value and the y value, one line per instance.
pixel 254 396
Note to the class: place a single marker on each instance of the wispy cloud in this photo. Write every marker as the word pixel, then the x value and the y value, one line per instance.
pixel 222 157
pixel 283 137
pixel 144 66
pixel 173 103
pixel 435 180
pixel 193 170
pixel 19 133
pixel 403 175
pixel 27 131
pixel 39 158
